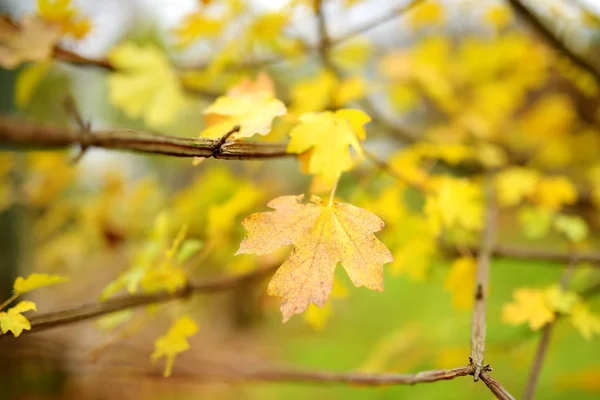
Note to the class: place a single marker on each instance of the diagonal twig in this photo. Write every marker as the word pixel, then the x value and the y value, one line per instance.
pixel 552 39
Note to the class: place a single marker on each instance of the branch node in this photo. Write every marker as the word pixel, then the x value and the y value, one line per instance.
pixel 218 145
pixel 85 128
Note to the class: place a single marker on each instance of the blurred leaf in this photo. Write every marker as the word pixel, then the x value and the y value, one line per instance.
pixel 174 342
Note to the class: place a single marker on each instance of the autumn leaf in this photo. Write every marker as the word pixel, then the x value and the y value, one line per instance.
pixel 322 235
pixel 530 306
pixel 28 81
pixel 145 85
pixel 63 14
pixel 461 281
pixel 428 13
pixel 250 105
pixel 515 184
pixel 325 138
pixel 33 40
pixel 586 322
pixel 13 319
pixel 36 281
pixel 197 25
pixel 573 227
pixel 174 342
pixel 454 203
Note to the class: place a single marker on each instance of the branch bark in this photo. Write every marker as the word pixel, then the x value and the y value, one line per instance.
pixel 24 134
pixel 553 40
pixel 93 310
pixel 286 374
pixel 478 323
pixel 495 387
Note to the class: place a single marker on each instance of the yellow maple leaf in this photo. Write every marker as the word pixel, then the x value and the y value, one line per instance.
pixel 500 16
pixel 36 281
pixel 313 94
pixel 174 342
pixel 554 192
pixel 197 25
pixel 454 203
pixel 530 306
pixel 515 184
pixel 428 13
pixel 322 235
pixel 145 85
pixel 327 137
pixel 560 300
pixel 461 281
pixel 352 55
pixel 63 14
pixel 586 322
pixel 27 82
pixel 33 40
pixel 251 106
pixel 13 319
pixel 349 90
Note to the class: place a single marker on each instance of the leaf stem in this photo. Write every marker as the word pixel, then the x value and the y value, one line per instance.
pixel 333 190
pixel 9 300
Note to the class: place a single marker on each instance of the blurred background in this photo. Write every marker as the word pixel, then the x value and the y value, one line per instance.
pixel 450 72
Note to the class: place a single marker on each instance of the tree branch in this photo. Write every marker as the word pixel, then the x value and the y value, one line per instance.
pixel 552 39
pixel 495 387
pixel 478 323
pixel 23 134
pixel 287 375
pixel 93 310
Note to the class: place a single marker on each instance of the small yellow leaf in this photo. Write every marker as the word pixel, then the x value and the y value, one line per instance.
pixel 560 300
pixel 36 281
pixel 314 94
pixel 352 55
pixel 461 281
pixel 322 236
pixel 33 40
pixel 536 222
pixel 145 85
pixel 174 342
pixel 196 26
pixel 554 192
pixel 28 81
pixel 499 16
pixel 573 227
pixel 515 184
pixel 63 14
pixel 251 106
pixel 13 319
pixel 530 306
pixel 585 321
pixel 454 203
pixel 429 13
pixel 349 90
pixel 328 136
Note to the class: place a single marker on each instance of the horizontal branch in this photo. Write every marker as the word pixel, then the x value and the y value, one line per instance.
pixel 293 375
pixel 93 310
pixel 24 134
pixel 534 254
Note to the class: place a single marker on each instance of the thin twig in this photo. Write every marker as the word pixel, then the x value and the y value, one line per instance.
pixel 540 355
pixel 478 324
pixel 496 388
pixel 552 39
pixel 292 375
pixel 394 13
pixel 93 310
